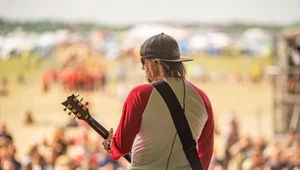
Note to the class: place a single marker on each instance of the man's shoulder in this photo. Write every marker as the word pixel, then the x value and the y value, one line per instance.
pixel 198 89
pixel 140 92
pixel 143 88
pixel 194 86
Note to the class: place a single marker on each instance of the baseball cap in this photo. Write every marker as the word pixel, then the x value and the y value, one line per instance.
pixel 163 47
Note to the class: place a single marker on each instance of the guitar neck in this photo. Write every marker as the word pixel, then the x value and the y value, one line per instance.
pixel 98 128
pixel 102 132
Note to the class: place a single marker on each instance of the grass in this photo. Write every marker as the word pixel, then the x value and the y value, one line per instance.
pixel 224 64
pixel 17 66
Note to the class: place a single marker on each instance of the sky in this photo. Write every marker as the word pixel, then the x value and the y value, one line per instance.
pixel 124 12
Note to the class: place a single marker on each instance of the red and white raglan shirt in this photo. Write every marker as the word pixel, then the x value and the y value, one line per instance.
pixel 146 128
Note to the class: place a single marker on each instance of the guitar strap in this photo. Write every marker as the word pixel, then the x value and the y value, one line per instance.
pixel 181 124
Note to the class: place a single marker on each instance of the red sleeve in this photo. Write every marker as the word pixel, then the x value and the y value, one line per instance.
pixel 130 122
pixel 206 140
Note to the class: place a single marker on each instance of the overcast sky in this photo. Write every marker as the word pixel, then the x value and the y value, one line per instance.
pixel 119 12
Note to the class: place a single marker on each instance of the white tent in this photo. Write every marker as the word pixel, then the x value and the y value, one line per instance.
pixel 256 41
pixel 141 32
pixel 60 36
pixel 198 42
pixel 202 41
pixel 9 44
pixel 218 39
pixel 255 34
pixel 46 39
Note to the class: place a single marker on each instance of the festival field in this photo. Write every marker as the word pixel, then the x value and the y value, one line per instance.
pixel 251 103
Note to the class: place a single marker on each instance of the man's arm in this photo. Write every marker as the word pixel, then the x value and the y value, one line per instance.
pixel 130 121
pixel 206 140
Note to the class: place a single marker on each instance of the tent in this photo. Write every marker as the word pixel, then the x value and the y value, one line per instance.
pixel 140 32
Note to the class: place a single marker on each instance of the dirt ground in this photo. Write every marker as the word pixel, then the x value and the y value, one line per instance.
pixel 250 103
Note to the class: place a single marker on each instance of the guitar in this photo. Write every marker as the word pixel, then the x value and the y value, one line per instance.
pixel 82 112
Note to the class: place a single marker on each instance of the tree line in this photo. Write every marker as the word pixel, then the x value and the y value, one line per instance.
pixel 84 27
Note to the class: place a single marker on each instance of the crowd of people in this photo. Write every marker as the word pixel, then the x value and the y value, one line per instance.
pixel 243 152
pixel 76 74
pixel 83 151
pixel 80 151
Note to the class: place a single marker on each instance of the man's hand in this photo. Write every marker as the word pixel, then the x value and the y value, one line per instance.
pixel 106 142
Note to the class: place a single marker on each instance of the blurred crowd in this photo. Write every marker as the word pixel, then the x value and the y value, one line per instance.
pixel 242 152
pixel 76 74
pixel 73 147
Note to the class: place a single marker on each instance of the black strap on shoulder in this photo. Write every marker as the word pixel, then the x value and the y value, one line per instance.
pixel 181 123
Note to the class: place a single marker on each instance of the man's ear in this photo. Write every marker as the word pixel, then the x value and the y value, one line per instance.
pixel 157 63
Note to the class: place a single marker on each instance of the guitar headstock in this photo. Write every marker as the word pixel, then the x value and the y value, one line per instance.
pixel 76 107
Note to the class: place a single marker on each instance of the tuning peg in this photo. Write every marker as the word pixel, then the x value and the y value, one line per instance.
pixel 69 113
pixel 81 99
pixel 76 95
pixel 65 109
